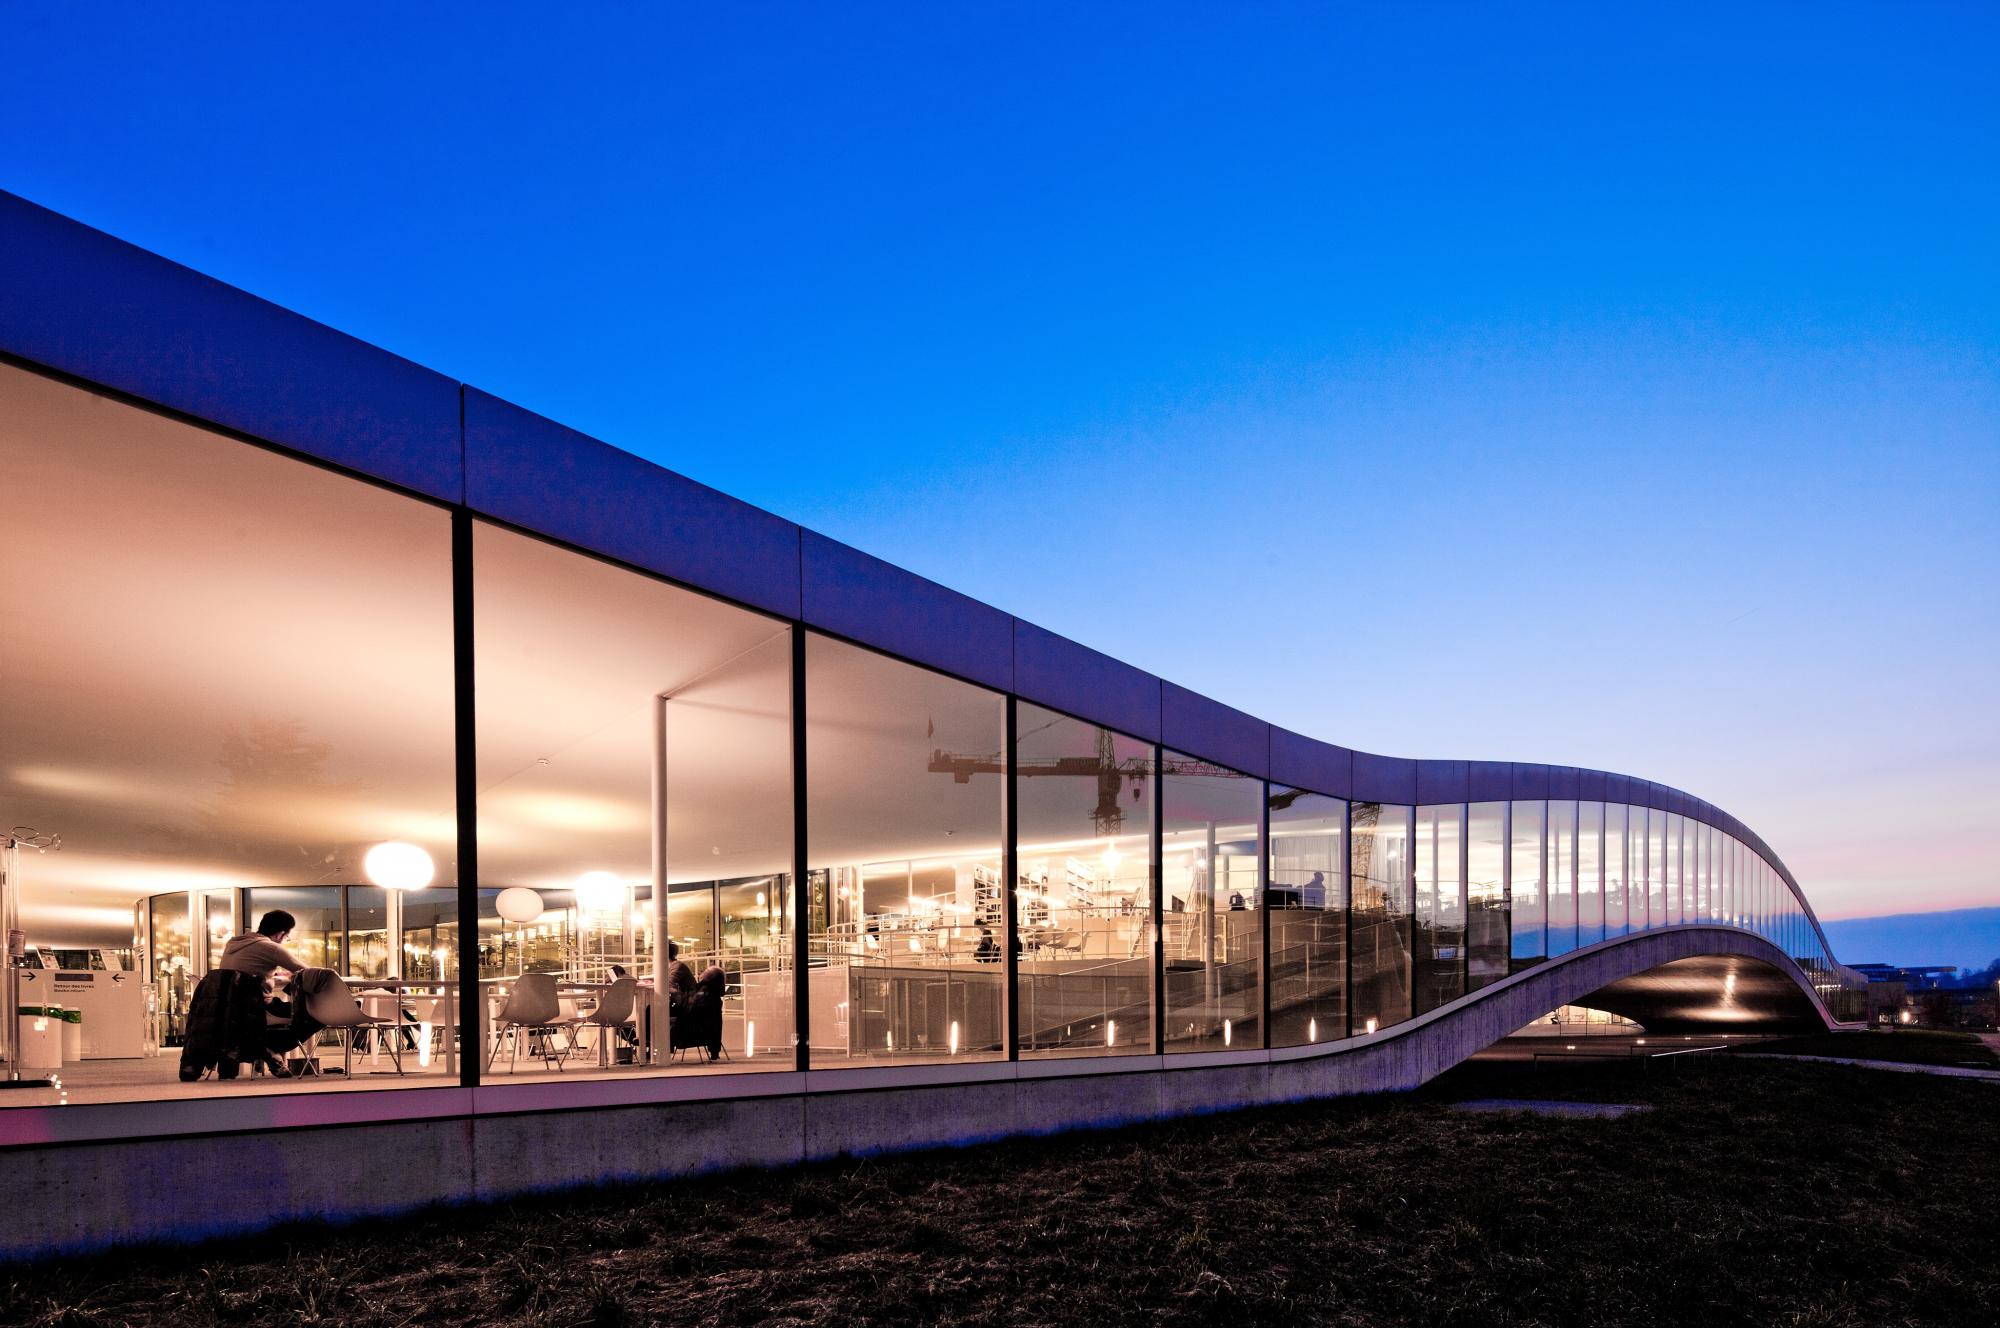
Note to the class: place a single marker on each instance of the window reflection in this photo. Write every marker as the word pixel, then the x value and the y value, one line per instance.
pixel 1382 884
pixel 1307 899
pixel 1528 914
pixel 1486 887
pixel 904 787
pixel 1440 914
pixel 1085 897
pixel 1589 873
pixel 1212 934
pixel 1562 877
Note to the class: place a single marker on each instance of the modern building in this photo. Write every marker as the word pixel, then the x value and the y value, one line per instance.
pixel 504 717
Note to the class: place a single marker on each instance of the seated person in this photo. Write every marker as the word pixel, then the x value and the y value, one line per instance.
pixel 259 952
pixel 680 979
pixel 989 949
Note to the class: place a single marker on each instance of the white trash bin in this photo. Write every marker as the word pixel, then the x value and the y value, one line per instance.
pixel 40 1041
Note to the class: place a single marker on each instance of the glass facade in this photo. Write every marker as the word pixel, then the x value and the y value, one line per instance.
pixel 1211 859
pixel 905 818
pixel 1439 930
pixel 1085 895
pixel 1528 910
pixel 1589 873
pixel 1307 903
pixel 1486 894
pixel 685 840
pixel 1381 885
pixel 1562 877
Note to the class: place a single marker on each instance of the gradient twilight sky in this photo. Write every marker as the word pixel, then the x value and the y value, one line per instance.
pixel 1581 384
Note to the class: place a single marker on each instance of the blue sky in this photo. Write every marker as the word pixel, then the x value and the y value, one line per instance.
pixel 1583 384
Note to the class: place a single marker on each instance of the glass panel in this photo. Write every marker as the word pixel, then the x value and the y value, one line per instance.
pixel 1562 877
pixel 1527 909
pixel 1616 910
pixel 367 931
pixel 1212 935
pixel 172 973
pixel 904 787
pixel 1382 885
pixel 1635 856
pixel 1656 869
pixel 1085 897
pixel 1589 873
pixel 219 923
pixel 319 940
pixel 1308 903
pixel 628 726
pixel 1440 916
pixel 430 934
pixel 1680 907
pixel 228 670
pixel 1486 877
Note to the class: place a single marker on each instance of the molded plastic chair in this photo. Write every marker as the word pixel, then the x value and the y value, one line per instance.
pixel 614 1009
pixel 335 1005
pixel 532 1007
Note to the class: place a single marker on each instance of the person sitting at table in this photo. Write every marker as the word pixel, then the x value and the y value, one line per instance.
pixel 259 952
pixel 704 1016
pixel 989 949
pixel 680 980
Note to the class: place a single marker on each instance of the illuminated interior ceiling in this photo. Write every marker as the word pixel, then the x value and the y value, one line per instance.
pixel 1709 994
pixel 224 667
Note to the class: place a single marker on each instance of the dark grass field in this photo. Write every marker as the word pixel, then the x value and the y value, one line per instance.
pixel 1909 1046
pixel 1757 1192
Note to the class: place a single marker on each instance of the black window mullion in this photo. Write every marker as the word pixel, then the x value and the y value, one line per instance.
pixel 1159 923
pixel 801 889
pixel 471 1007
pixel 1010 874
pixel 1264 916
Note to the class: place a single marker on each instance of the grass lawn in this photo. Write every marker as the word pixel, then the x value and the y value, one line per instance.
pixel 1756 1193
pixel 1909 1046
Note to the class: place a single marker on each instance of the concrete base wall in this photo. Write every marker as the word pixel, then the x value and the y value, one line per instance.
pixel 86 1195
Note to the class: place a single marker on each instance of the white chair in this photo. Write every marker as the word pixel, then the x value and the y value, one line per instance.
pixel 614 1009
pixel 335 1005
pixel 532 1007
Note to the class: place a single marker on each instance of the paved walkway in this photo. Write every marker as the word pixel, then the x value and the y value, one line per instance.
pixel 1948 1071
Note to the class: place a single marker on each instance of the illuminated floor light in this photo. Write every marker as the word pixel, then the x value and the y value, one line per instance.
pixel 1312 1030
pixel 1371 1025
pixel 1111 1032
pixel 1225 1032
pixel 749 1038
pixel 953 1041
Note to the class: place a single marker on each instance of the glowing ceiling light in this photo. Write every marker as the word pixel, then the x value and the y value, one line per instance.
pixel 398 866
pixel 599 891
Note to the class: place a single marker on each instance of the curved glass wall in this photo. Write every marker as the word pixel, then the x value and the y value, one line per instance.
pixel 636 761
